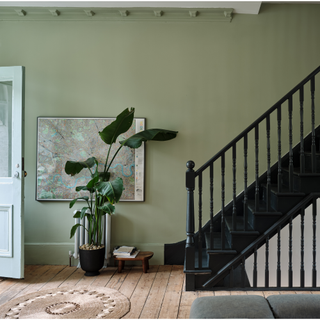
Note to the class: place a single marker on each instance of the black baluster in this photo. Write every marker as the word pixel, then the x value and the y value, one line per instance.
pixel 290 272
pixel 313 134
pixel 302 276
pixel 245 195
pixel 190 246
pixel 290 145
pixel 255 267
pixel 279 149
pixel 222 202
pixel 243 272
pixel 231 274
pixel 302 156
pixel 268 165
pixel 267 264
pixel 234 209
pixel 278 258
pixel 200 237
pixel 314 242
pixel 257 168
pixel 211 206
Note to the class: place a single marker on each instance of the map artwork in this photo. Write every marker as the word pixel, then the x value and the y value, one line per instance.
pixel 77 139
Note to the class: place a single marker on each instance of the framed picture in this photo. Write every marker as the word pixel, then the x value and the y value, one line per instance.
pixel 76 139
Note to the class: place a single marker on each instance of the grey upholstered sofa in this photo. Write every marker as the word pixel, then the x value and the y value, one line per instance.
pixel 285 306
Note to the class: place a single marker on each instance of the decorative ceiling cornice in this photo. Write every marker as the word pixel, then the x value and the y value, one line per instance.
pixel 116 14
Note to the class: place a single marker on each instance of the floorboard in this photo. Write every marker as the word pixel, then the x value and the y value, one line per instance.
pixel 158 294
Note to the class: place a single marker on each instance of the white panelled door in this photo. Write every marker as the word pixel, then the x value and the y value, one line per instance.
pixel 11 172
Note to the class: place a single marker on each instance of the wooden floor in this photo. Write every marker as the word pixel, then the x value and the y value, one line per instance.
pixel 156 294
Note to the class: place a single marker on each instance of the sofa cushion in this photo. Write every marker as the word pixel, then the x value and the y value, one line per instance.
pixel 295 306
pixel 224 307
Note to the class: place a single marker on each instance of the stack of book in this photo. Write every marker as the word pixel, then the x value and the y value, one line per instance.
pixel 125 252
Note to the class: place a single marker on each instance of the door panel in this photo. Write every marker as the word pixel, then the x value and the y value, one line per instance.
pixel 11 172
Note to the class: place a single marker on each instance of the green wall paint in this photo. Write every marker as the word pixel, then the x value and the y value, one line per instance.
pixel 209 81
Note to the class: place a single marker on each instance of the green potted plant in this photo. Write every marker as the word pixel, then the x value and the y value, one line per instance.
pixel 102 192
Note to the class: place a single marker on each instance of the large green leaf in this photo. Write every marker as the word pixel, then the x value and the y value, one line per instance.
pixel 136 140
pixel 74 167
pixel 121 125
pixel 74 229
pixel 92 182
pixel 75 200
pixel 111 189
pixel 107 208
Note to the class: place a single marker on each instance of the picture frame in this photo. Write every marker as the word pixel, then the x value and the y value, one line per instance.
pixel 62 139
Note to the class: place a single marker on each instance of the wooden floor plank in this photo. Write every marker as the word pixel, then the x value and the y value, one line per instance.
pixel 270 293
pixel 222 293
pixel 22 284
pixel 8 282
pixel 41 281
pixel 59 278
pixel 187 297
pixel 141 293
pixel 105 275
pixel 255 293
pixel 238 292
pixel 73 279
pixel 118 278
pixel 170 305
pixel 85 280
pixel 131 282
pixel 205 293
pixel 153 303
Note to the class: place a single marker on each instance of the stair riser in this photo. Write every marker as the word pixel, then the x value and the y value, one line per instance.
pixel 281 203
pixel 262 223
pixel 296 181
pixel 308 162
pixel 302 183
pixel 219 260
pixel 240 242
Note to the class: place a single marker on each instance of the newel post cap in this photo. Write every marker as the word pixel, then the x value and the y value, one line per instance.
pixel 190 164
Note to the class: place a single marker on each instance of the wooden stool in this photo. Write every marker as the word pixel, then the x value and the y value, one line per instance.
pixel 143 256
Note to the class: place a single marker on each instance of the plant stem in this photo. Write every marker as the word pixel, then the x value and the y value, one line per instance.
pixel 105 165
pixel 114 157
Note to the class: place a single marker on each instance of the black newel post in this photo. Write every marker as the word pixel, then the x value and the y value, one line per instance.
pixel 190 245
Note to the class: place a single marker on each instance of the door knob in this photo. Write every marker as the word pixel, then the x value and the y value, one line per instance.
pixel 25 173
pixel 16 175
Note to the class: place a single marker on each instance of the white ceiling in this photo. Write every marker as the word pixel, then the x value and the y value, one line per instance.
pixel 244 7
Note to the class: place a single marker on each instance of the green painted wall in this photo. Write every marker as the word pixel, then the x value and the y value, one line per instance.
pixel 208 80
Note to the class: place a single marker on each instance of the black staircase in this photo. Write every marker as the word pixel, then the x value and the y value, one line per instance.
pixel 272 196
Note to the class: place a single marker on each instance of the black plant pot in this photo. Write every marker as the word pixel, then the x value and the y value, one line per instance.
pixel 92 261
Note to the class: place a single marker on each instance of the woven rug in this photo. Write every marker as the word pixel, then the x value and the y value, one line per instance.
pixel 66 303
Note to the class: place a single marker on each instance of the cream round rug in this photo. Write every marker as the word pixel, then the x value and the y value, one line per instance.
pixel 66 303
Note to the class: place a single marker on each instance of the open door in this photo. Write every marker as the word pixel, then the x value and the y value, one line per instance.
pixel 11 172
